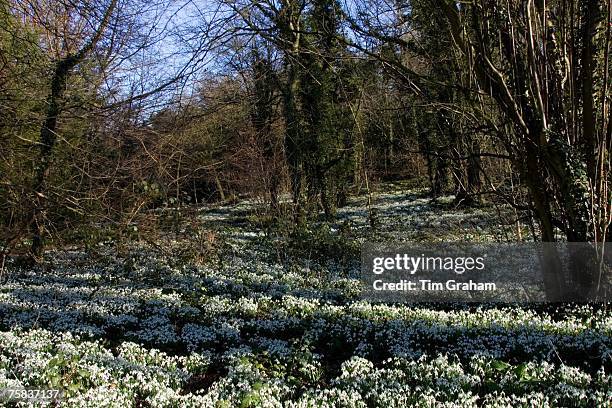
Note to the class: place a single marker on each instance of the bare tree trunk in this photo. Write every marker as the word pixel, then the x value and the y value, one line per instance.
pixel 290 30
pixel 589 26
pixel 293 139
pixel 47 143
pixel 219 187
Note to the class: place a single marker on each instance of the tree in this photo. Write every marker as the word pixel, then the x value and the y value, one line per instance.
pixel 317 143
pixel 88 67
pixel 22 70
pixel 546 66
pixel 328 135
pixel 263 115
pixel 63 67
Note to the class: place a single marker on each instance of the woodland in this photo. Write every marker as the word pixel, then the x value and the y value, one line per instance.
pixel 185 186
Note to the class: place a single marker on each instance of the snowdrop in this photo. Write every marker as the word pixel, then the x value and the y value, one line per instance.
pixel 140 330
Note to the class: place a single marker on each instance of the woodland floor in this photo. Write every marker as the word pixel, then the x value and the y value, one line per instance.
pixel 220 311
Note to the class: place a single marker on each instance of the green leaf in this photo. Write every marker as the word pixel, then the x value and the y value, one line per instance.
pixel 500 365
pixel 54 362
pixel 521 371
pixel 74 387
pixel 84 373
pixel 250 400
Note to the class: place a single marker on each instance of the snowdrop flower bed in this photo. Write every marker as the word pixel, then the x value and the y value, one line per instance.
pixel 138 330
